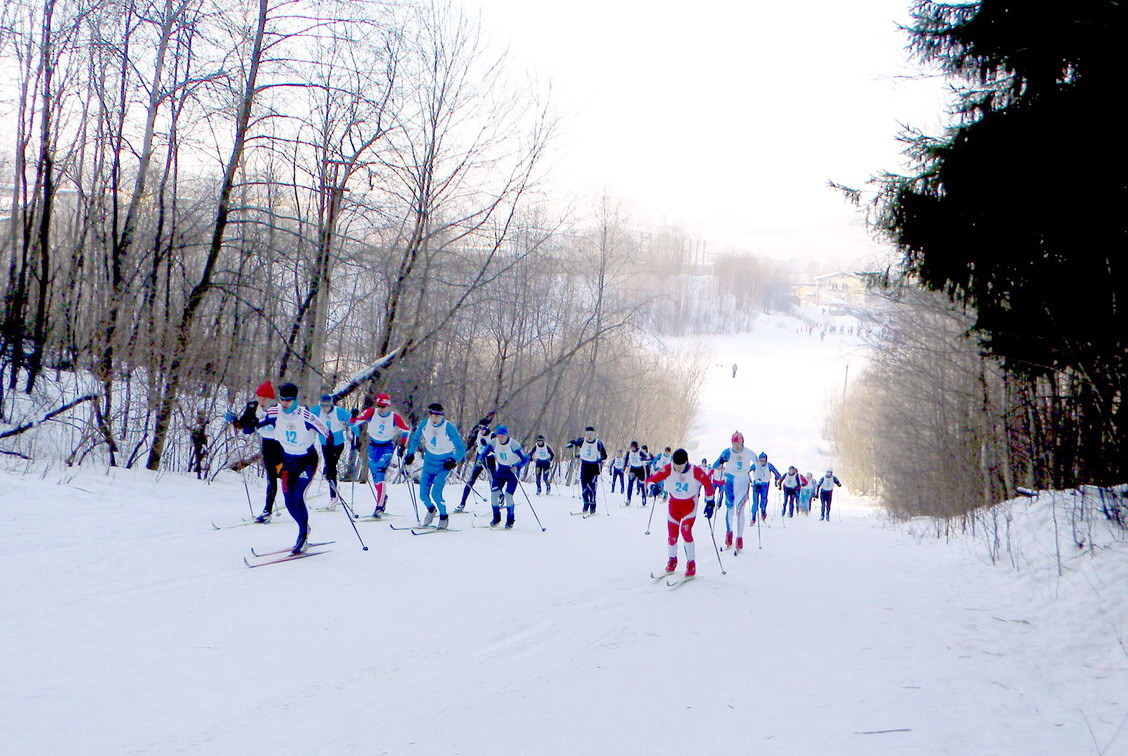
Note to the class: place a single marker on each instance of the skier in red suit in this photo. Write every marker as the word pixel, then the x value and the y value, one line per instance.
pixel 683 482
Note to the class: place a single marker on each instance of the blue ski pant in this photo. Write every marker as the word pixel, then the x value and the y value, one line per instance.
pixel 297 472
pixel 431 483
pixel 760 498
pixel 379 459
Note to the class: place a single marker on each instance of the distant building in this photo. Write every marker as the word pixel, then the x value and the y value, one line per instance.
pixel 836 292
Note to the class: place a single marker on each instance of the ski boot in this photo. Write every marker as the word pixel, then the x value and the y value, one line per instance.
pixel 690 569
pixel 739 545
pixel 429 518
pixel 496 517
pixel 672 564
pixel 728 539
pixel 460 508
pixel 301 546
pixel 444 521
pixel 264 518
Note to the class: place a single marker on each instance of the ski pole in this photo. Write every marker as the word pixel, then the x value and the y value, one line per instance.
pixel 716 550
pixel 759 538
pixel 248 490
pixel 606 496
pixel 350 509
pixel 534 511
pixel 475 492
pixel 349 517
pixel 652 508
pixel 411 493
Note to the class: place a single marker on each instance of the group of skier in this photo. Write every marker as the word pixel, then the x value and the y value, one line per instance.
pixel 290 434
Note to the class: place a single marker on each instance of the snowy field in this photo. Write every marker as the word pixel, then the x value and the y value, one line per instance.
pixel 134 627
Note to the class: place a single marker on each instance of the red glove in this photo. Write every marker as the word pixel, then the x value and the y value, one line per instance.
pixel 365 415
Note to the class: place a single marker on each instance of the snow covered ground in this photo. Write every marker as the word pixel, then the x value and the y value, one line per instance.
pixel 133 627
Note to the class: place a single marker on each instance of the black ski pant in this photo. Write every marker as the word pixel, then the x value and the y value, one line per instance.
pixel 332 454
pixel 790 499
pixel 617 475
pixel 824 504
pixel 543 470
pixel 589 479
pixel 478 467
pixel 272 461
pixel 637 478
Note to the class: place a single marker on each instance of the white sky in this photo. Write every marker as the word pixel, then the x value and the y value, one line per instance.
pixel 726 118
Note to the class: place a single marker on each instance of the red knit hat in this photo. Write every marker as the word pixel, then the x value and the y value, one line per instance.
pixel 265 390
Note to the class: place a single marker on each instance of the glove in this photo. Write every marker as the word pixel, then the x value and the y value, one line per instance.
pixel 230 417
pixel 708 509
pixel 365 415
pixel 409 459
pixel 449 464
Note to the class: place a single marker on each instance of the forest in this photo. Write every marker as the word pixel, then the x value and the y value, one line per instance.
pixel 200 196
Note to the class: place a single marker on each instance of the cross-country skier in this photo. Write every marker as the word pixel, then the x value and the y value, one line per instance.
pixel 636 472
pixel 791 483
pixel 618 465
pixel 762 472
pixel 543 455
pixel 442 451
pixel 297 430
pixel 660 460
pixel 825 487
pixel 253 415
pixel 386 431
pixel 475 444
pixel 683 481
pixel 737 462
pixel 591 453
pixel 508 461
pixel 806 493
pixel 718 483
pixel 339 421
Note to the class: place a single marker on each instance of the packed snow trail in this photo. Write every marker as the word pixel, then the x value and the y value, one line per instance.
pixel 132 626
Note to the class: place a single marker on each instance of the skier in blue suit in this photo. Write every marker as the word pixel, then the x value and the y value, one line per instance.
pixel 339 422
pixel 442 451
pixel 509 459
pixel 762 472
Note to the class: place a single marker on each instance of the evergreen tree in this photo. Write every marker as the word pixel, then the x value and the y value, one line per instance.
pixel 1018 210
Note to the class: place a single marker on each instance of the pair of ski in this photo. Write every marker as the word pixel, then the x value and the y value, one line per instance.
pixel 240 524
pixel 662 575
pixel 289 557
pixel 585 514
pixel 374 518
pixel 425 529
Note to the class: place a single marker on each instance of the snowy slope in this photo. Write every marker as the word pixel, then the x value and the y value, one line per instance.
pixel 134 627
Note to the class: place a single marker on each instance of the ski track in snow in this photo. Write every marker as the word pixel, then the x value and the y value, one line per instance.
pixel 133 627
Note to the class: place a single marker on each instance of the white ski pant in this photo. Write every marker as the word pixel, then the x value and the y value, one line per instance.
pixel 736 499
